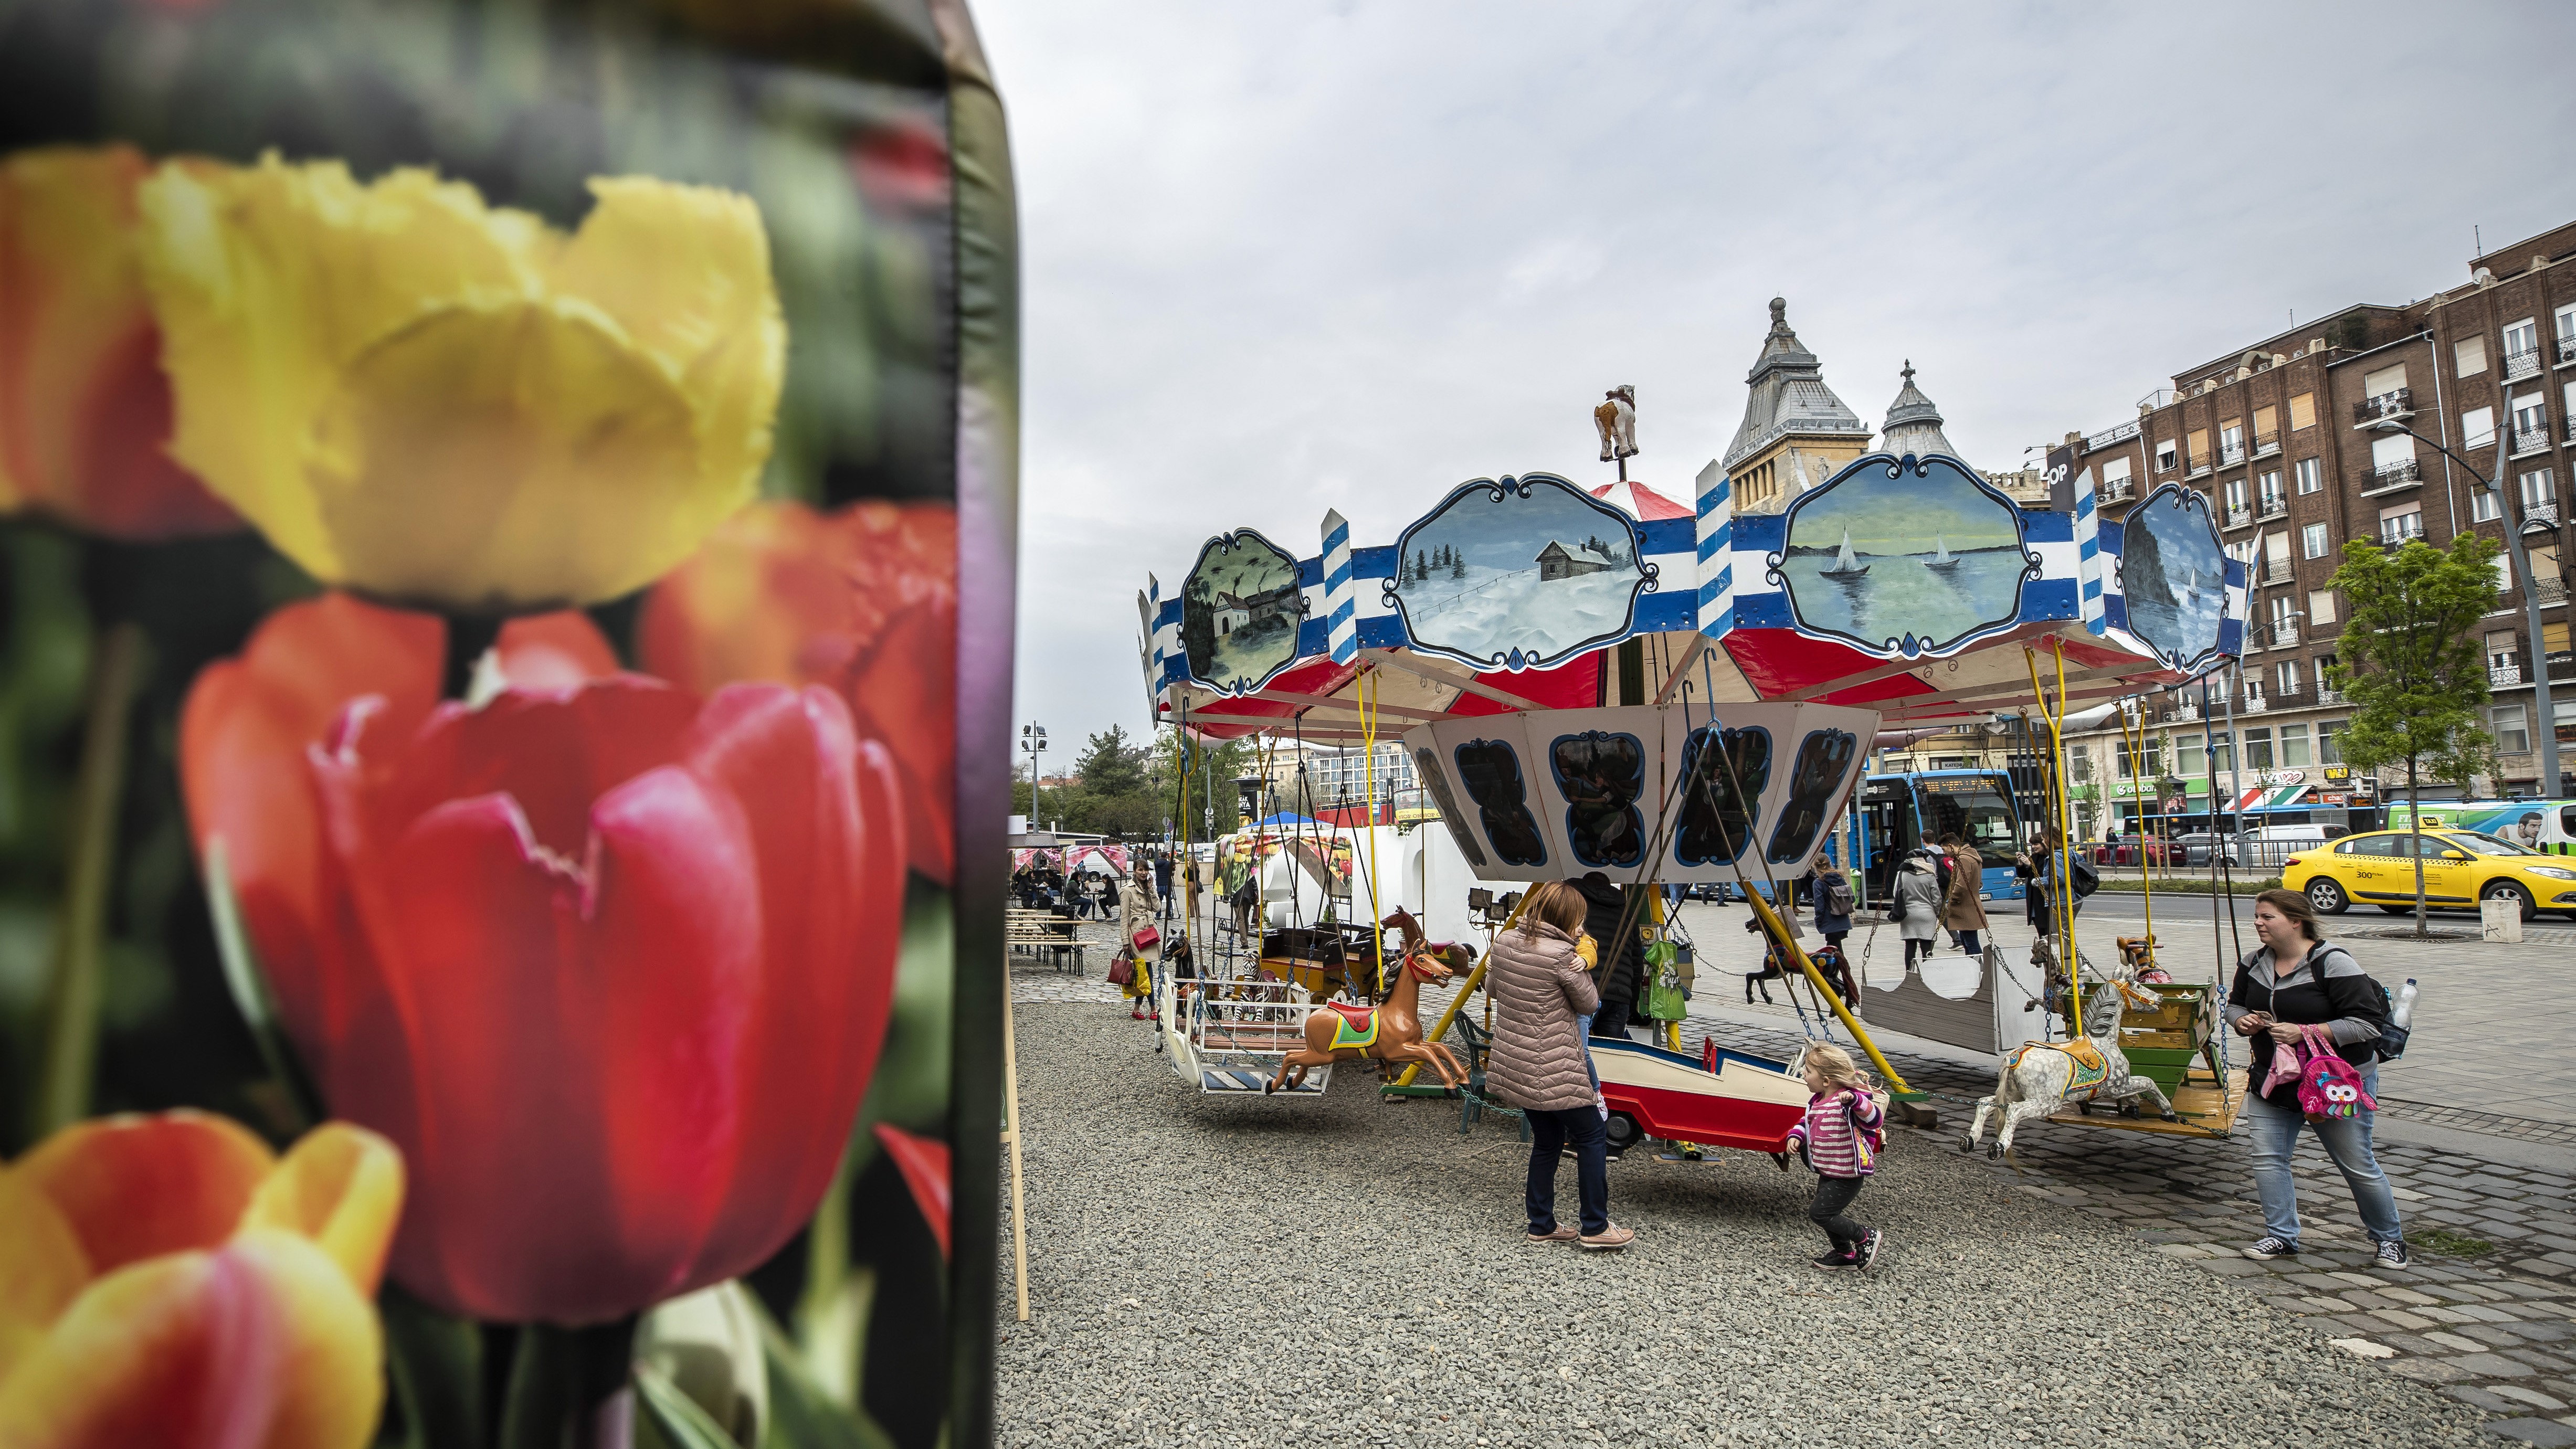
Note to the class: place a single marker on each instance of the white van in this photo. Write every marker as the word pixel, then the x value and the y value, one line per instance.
pixel 2267 846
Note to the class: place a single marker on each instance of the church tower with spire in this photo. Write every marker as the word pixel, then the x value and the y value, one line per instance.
pixel 1913 423
pixel 1795 432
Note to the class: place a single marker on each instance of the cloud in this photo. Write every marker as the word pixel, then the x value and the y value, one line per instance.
pixel 1289 257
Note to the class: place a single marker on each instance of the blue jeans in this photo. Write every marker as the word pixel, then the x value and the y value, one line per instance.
pixel 1970 942
pixel 1549 1134
pixel 2346 1140
pixel 1583 1030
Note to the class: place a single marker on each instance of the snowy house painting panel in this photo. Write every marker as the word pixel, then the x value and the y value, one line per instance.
pixel 1518 574
pixel 1239 612
pixel 1908 558
pixel 2173 575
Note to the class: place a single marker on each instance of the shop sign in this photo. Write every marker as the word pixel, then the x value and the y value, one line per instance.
pixel 2338 774
pixel 2285 777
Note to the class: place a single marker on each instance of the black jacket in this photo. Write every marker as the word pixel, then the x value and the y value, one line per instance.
pixel 1604 905
pixel 2328 989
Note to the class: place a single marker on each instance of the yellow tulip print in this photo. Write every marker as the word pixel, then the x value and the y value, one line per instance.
pixel 428 399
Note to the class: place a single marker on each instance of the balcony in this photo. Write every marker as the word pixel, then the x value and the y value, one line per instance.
pixel 2519 365
pixel 2271 506
pixel 2199 468
pixel 2327 696
pixel 2256 704
pixel 2395 531
pixel 2231 455
pixel 2118 490
pixel 2276 571
pixel 2096 442
pixel 2392 477
pixel 2548 589
pixel 2531 441
pixel 2266 444
pixel 2398 404
pixel 2499 675
pixel 2189 713
pixel 2284 635
pixel 2239 516
pixel 2542 514
pixel 2566 350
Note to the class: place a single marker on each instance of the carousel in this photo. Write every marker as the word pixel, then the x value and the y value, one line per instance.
pixel 1667 693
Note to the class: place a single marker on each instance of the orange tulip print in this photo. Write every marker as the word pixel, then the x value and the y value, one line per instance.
pixel 167 1280
pixel 85 410
pixel 863 602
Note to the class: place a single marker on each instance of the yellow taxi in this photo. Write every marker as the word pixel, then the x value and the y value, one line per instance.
pixel 2461 868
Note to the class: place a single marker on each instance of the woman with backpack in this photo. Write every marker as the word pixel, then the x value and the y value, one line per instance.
pixel 2039 866
pixel 2297 979
pixel 1917 906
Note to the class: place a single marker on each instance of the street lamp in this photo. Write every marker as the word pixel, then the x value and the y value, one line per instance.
pixel 1033 741
pixel 2547 725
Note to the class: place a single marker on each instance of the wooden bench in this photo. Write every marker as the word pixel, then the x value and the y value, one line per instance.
pixel 1042 933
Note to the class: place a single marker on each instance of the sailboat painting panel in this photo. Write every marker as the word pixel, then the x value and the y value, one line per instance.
pixel 1898 560
pixel 2174 575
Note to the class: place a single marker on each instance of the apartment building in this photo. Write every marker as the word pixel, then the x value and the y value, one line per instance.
pixel 2280 435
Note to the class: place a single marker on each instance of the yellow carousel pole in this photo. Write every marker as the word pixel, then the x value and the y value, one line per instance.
pixel 1449 1014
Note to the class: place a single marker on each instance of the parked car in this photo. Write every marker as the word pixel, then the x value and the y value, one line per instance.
pixel 2461 868
pixel 2131 849
pixel 2197 847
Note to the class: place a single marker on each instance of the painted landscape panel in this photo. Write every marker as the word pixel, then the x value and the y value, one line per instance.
pixel 1517 574
pixel 1905 562
pixel 2174 575
pixel 1239 611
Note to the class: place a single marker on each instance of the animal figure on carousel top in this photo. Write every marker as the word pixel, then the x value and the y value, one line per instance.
pixel 1390 1032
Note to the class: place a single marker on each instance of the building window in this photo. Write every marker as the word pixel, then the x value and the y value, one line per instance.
pixel 2188 760
pixel 2199 449
pixel 2477 428
pixel 2398 524
pixel 2566 326
pixel 2313 541
pixel 2383 382
pixel 2258 747
pixel 2501 651
pixel 2330 741
pixel 2285 677
pixel 2553 642
pixel 2310 473
pixel 2303 411
pixel 2283 615
pixel 2235 497
pixel 2321 606
pixel 2530 422
pixel 2231 442
pixel 2269 490
pixel 2294 747
pixel 2520 339
pixel 2503 565
pixel 2537 492
pixel 2165 456
pixel 2482 505
pixel 2471 356
pixel 2510 724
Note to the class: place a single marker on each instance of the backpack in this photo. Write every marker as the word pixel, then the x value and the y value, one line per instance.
pixel 2391 1043
pixel 2330 1088
pixel 1944 865
pixel 1838 894
pixel 1867 1142
pixel 2087 879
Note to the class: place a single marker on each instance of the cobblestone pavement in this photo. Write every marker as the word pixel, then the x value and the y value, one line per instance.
pixel 2488 1314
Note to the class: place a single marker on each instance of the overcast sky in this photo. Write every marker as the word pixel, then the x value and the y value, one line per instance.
pixel 1284 257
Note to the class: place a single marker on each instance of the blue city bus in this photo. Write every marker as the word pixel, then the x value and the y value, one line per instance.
pixel 1895 814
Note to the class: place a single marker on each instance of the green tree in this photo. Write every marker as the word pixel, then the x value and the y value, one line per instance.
pixel 2414 671
pixel 1111 764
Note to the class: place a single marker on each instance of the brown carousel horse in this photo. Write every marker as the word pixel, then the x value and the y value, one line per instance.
pixel 1390 1032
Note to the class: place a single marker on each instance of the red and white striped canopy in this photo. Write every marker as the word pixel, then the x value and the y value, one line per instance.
pixel 1640 502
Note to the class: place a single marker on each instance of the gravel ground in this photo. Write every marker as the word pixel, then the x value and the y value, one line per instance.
pixel 1215 1271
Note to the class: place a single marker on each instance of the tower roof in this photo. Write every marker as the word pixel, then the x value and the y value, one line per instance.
pixel 1913 423
pixel 1789 394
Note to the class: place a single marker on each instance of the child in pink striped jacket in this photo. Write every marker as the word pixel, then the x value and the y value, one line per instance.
pixel 1840 1138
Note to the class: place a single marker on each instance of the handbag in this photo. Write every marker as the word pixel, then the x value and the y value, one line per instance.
pixel 1122 972
pixel 1146 939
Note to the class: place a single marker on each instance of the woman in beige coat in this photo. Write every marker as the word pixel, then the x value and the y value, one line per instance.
pixel 1963 910
pixel 1538 1062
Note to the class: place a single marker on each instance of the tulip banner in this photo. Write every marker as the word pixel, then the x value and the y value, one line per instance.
pixel 501 771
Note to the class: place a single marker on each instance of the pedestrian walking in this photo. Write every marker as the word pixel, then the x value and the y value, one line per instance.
pixel 1137 936
pixel 1917 904
pixel 1829 895
pixel 2038 866
pixel 1163 886
pixel 1538 1063
pixel 2297 978
pixel 1839 1138
pixel 1963 907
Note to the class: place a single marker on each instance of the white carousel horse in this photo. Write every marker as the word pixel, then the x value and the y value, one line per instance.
pixel 2039 1077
